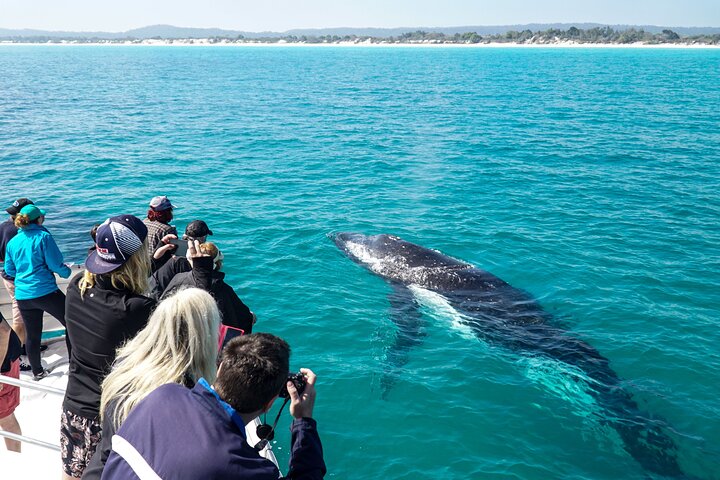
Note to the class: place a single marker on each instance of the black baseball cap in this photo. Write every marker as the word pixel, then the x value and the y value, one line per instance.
pixel 17 205
pixel 196 229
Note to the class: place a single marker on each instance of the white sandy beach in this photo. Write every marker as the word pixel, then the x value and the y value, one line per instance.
pixel 204 42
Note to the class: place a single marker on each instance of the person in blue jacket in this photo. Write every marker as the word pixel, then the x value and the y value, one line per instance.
pixel 32 257
pixel 178 433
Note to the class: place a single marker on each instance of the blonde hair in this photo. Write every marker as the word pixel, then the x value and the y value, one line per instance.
pixel 209 248
pixel 178 343
pixel 22 220
pixel 132 275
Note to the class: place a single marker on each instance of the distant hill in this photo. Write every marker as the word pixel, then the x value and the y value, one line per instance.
pixel 172 32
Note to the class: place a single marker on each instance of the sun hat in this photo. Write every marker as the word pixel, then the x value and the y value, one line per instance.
pixel 196 229
pixel 17 205
pixel 161 203
pixel 32 212
pixel 116 240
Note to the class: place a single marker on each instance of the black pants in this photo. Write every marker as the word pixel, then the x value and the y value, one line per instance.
pixel 32 315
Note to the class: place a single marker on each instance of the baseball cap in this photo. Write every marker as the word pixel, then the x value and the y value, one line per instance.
pixel 32 212
pixel 17 205
pixel 197 229
pixel 161 203
pixel 116 240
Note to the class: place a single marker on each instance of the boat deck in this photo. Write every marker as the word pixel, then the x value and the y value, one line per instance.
pixel 39 412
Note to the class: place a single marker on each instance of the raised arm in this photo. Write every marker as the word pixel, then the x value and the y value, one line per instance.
pixel 306 457
pixel 4 341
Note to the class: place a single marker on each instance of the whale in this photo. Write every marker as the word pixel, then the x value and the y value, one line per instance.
pixel 501 315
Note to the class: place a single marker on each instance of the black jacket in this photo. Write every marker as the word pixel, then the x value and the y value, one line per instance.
pixel 160 280
pixel 97 324
pixel 234 312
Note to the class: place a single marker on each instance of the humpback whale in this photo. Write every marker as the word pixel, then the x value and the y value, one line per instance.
pixel 500 314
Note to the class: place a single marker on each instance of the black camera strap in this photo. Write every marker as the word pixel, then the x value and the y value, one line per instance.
pixel 265 432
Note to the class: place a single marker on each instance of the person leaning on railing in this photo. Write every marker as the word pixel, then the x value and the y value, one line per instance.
pixel 159 215
pixel 32 258
pixel 178 345
pixel 8 230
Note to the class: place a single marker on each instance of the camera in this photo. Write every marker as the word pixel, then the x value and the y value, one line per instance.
pixel 298 379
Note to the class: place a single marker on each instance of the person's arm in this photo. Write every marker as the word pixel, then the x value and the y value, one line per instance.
pixel 139 309
pixel 202 266
pixel 53 257
pixel 245 319
pixel 4 341
pixel 9 265
pixel 163 252
pixel 306 456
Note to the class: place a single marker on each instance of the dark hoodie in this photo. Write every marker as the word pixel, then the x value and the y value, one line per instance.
pixel 234 312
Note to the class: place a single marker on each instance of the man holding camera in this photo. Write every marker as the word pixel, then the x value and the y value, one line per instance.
pixel 176 433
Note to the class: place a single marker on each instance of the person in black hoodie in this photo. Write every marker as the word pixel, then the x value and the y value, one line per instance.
pixel 105 307
pixel 234 312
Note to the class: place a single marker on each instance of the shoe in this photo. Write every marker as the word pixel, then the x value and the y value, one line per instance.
pixel 41 375
pixel 43 348
pixel 24 367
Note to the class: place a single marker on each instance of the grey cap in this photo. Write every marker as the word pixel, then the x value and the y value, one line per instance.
pixel 161 203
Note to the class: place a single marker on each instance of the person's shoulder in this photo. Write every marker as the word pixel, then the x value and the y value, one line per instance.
pixel 7 227
pixel 169 389
pixel 138 302
pixel 163 392
pixel 163 396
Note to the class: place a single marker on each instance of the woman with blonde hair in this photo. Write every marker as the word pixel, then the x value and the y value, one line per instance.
pixel 178 345
pixel 106 306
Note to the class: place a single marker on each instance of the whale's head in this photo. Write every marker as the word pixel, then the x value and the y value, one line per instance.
pixel 368 249
pixel 393 258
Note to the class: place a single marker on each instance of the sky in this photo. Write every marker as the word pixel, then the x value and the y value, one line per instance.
pixel 281 15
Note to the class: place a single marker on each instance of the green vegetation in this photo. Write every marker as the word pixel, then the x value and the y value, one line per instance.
pixel 598 35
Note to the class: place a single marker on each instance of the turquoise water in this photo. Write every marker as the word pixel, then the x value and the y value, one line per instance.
pixel 588 177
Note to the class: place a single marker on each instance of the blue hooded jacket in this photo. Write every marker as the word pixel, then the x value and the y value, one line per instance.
pixel 31 258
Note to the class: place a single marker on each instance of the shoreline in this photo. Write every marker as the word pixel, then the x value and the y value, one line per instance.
pixel 207 43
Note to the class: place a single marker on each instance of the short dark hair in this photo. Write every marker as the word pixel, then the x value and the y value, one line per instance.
pixel 253 370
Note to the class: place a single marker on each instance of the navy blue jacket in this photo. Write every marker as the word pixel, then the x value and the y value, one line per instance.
pixel 188 434
pixel 7 231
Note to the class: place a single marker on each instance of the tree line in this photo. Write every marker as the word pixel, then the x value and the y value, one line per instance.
pixel 597 35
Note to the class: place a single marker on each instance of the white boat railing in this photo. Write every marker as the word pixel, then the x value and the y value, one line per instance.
pixel 31 386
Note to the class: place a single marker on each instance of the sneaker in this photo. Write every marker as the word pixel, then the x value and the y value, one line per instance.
pixel 25 367
pixel 41 375
pixel 43 348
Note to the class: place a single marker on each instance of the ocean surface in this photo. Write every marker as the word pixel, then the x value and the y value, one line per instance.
pixel 587 177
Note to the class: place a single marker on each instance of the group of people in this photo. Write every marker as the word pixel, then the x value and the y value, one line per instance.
pixel 148 393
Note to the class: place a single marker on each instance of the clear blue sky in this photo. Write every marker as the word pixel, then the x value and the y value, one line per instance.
pixel 279 15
